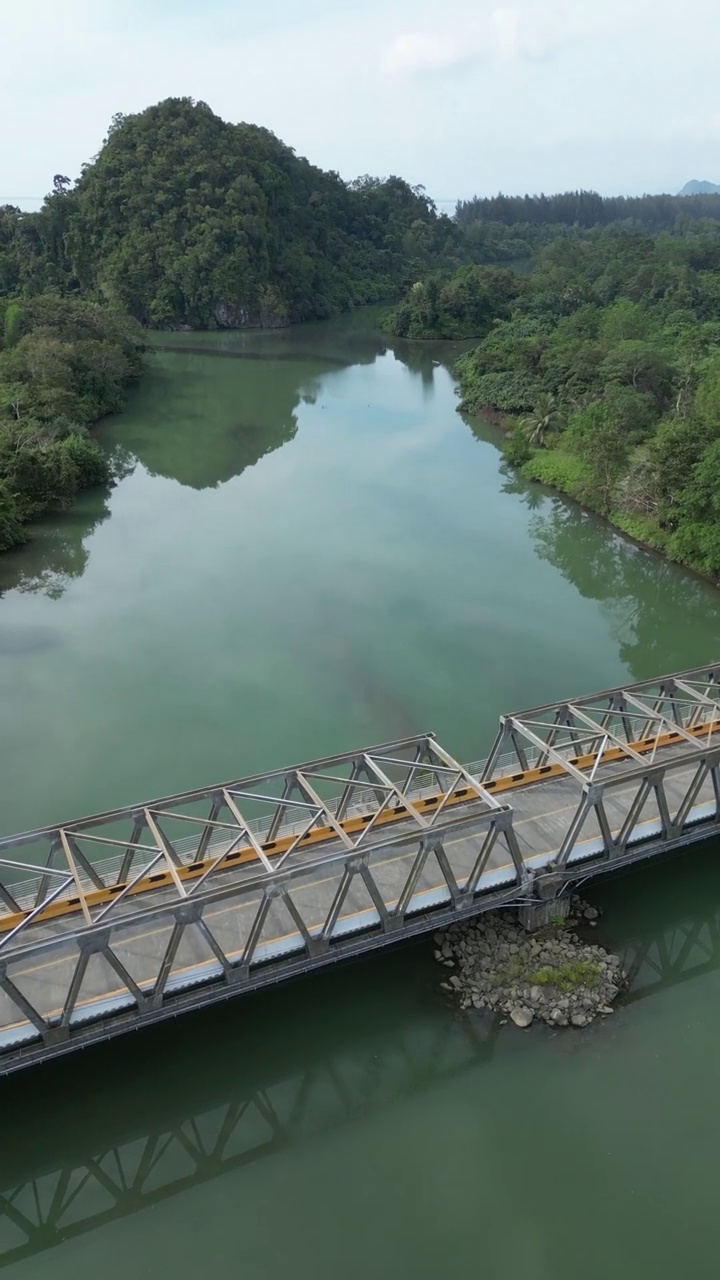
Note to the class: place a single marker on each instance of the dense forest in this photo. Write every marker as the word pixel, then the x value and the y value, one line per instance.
pixel 186 220
pixel 64 363
pixel 607 372
pixel 464 305
pixel 587 209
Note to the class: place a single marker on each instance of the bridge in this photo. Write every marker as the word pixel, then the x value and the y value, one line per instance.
pixel 119 920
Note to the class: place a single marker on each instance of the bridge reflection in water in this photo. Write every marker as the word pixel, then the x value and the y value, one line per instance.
pixel 221 1112
pixel 142 1132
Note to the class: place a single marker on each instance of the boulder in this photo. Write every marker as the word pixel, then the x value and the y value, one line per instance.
pixel 521 1016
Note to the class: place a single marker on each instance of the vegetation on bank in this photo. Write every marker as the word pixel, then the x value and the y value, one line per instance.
pixel 466 305
pixel 64 363
pixel 608 373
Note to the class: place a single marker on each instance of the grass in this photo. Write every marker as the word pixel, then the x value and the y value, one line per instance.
pixel 558 470
pixel 567 976
pixel 564 977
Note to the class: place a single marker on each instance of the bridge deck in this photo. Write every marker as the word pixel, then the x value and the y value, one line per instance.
pixel 350 873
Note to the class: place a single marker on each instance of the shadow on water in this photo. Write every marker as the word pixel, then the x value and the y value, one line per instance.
pixel 56 552
pixel 202 422
pixel 121 1127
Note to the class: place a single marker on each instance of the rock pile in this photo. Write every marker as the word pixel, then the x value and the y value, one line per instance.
pixel 493 963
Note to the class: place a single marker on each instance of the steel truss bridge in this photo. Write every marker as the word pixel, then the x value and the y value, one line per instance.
pixel 125 918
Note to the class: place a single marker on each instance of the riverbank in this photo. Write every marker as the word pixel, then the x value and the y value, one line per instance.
pixel 557 470
pixel 64 364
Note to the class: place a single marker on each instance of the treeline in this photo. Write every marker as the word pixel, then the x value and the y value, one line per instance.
pixel 63 364
pixel 587 209
pixel 607 372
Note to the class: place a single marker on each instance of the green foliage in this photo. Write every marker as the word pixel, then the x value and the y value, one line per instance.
pixel 70 366
pixel 567 976
pixel 511 392
pixel 10 519
pixel 546 418
pixel 599 439
pixel 184 219
pixel 586 209
pixel 13 321
pixel 612 355
pixel 559 470
pixel 465 306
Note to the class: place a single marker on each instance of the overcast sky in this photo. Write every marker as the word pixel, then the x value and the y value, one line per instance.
pixel 464 96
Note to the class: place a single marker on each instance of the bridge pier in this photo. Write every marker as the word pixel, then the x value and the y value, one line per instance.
pixel 551 905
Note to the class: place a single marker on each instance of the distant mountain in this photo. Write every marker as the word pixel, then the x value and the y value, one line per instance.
pixel 695 188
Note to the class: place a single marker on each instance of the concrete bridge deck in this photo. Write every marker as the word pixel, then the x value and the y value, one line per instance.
pixel 124 918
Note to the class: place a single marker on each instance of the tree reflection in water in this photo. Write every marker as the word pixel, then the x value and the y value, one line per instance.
pixel 664 618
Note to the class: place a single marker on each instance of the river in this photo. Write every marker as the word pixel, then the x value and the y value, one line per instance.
pixel 308 550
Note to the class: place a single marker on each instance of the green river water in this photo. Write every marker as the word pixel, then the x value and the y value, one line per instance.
pixel 310 550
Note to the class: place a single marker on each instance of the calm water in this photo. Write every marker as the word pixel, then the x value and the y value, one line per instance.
pixel 310 550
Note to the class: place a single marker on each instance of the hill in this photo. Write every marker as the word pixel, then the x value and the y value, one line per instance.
pixel 700 188
pixel 188 221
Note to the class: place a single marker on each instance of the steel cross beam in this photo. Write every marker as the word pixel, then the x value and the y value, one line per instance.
pixel 520 727
pixel 672 726
pixel 701 699
pixel 606 732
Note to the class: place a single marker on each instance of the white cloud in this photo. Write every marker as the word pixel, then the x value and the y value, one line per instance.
pixel 420 52
pixel 508 33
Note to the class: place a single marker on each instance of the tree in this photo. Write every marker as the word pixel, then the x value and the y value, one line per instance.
pixel 545 418
pixel 602 444
pixel 13 325
pixel 638 363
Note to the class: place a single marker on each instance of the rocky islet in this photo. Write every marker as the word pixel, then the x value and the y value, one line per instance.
pixel 553 976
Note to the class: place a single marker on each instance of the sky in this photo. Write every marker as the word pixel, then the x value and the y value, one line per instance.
pixel 463 96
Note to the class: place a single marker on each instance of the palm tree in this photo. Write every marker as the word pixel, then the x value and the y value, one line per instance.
pixel 545 418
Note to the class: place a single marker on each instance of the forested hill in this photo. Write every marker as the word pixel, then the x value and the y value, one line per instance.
pixel 587 209
pixel 184 219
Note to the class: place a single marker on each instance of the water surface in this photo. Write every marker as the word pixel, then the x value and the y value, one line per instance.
pixel 310 550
